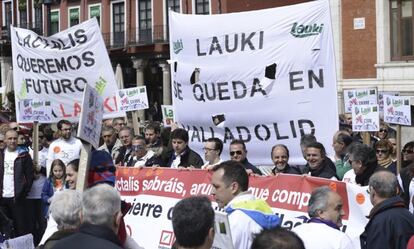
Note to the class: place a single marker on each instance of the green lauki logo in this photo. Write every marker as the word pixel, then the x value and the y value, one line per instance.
pixel 178 46
pixel 300 31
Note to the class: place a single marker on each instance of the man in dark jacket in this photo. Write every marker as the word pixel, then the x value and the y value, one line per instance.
pixel 390 224
pixel 181 155
pixel 101 214
pixel 16 178
pixel 280 158
pixel 319 165
pixel 238 153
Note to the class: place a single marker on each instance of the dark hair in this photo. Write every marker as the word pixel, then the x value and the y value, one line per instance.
pixel 218 144
pixel 319 146
pixel 307 139
pixel 192 219
pixel 282 146
pixel 344 138
pixel 62 122
pixel 277 238
pixel 234 172
pixel 108 128
pixel 408 145
pixel 155 126
pixel 238 141
pixel 74 164
pixel 368 158
pixel 180 133
pixel 139 138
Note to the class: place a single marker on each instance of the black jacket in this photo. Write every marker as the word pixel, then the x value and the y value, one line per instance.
pixel 248 165
pixel 54 238
pixel 188 158
pixel 390 226
pixel 326 170
pixel 23 173
pixel 287 170
pixel 90 237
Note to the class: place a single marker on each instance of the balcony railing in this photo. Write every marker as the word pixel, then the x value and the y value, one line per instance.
pixel 136 37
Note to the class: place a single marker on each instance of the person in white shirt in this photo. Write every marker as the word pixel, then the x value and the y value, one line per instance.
pixel 112 145
pixel 65 148
pixel 321 231
pixel 212 151
pixel 16 178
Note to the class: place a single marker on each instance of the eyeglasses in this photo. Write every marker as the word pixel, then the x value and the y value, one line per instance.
pixel 383 130
pixel 382 151
pixel 408 151
pixel 208 149
pixel 137 147
pixel 238 152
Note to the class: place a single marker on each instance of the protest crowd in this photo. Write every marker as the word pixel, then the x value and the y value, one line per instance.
pixel 38 197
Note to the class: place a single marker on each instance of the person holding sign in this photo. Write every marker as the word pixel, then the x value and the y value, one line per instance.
pixel 182 155
pixel 280 158
pixel 238 153
pixel 318 164
pixel 212 151
pixel 65 148
pixel 247 215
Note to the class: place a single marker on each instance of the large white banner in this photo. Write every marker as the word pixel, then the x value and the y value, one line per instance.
pixel 154 192
pixel 57 68
pixel 266 77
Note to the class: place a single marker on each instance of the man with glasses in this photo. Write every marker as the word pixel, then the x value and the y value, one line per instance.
pixel 65 148
pixel 141 156
pixel 212 151
pixel 238 153
pixel 390 223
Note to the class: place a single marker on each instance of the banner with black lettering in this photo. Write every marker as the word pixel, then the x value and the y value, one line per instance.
pixel 57 68
pixel 266 77
pixel 154 192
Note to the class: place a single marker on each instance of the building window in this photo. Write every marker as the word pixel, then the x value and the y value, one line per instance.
pixel 401 18
pixel 73 16
pixel 174 5
pixel 202 7
pixel 54 22
pixel 145 21
pixel 22 14
pixel 38 17
pixel 118 23
pixel 95 11
pixel 8 14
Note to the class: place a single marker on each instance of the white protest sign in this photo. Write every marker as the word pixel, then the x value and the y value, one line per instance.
pixel 133 99
pixel 222 237
pixel 366 96
pixel 167 115
pixel 90 122
pixel 57 68
pixel 266 77
pixel 31 110
pixel 365 118
pixel 397 110
pixel 381 99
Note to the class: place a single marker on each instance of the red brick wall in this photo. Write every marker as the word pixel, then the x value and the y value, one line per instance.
pixel 245 5
pixel 359 46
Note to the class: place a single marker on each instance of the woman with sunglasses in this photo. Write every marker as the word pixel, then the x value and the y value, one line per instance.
pixel 407 154
pixel 383 149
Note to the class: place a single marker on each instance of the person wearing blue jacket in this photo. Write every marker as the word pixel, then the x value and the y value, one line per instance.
pixel 55 182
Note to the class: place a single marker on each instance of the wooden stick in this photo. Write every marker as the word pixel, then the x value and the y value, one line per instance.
pixel 35 145
pixel 135 122
pixel 366 138
pixel 398 142
pixel 84 160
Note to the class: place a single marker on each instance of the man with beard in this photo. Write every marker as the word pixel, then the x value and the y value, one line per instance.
pixel 65 148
